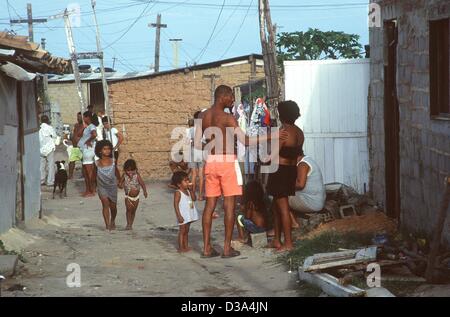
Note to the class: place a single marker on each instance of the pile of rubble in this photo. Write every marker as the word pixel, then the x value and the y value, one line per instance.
pixel 399 260
pixel 342 202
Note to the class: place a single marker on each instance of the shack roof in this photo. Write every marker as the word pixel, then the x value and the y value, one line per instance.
pixel 30 56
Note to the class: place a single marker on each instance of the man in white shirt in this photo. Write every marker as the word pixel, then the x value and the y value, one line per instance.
pixel 47 138
pixel 117 137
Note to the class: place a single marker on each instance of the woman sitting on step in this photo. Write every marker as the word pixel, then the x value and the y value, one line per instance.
pixel 310 193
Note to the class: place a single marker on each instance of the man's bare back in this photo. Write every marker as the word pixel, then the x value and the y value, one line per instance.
pixel 77 133
pixel 215 117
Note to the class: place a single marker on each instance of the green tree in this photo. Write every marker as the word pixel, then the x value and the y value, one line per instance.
pixel 315 44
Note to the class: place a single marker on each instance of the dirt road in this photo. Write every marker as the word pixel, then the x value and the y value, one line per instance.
pixel 143 262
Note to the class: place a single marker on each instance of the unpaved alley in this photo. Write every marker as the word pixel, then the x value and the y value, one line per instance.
pixel 143 262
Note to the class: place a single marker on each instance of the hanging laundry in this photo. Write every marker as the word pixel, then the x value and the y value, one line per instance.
pixel 266 121
pixel 256 118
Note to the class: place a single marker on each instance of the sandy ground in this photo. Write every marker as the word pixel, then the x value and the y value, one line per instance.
pixel 370 223
pixel 143 262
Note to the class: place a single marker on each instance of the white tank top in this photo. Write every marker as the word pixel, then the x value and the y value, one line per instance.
pixel 314 193
pixel 187 208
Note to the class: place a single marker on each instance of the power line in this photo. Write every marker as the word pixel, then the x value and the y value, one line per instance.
pixel 10 6
pixel 211 6
pixel 279 6
pixel 132 24
pixel 202 52
pixel 238 31
pixel 9 12
pixel 227 20
pixel 111 47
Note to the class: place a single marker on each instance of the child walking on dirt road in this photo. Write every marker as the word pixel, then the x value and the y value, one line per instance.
pixel 107 178
pixel 132 182
pixel 184 209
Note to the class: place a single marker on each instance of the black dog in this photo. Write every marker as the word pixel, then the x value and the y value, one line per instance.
pixel 60 179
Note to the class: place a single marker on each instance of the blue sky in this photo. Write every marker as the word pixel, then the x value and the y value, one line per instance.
pixel 128 37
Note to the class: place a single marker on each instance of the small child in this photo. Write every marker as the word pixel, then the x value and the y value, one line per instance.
pixel 184 208
pixel 254 219
pixel 132 182
pixel 107 178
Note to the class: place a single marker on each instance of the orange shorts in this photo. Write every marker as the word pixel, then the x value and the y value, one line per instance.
pixel 223 176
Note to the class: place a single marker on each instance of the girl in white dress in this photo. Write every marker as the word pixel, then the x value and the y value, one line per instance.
pixel 185 210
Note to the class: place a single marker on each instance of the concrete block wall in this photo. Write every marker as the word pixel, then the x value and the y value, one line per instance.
pixel 424 142
pixel 148 109
pixel 66 95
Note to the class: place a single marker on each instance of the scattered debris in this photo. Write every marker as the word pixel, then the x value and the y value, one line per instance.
pixel 401 278
pixel 16 287
pixel 339 195
pixel 332 207
pixel 338 259
pixel 347 211
pixel 330 284
pixel 431 274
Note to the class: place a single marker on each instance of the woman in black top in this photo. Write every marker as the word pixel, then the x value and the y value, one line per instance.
pixel 281 184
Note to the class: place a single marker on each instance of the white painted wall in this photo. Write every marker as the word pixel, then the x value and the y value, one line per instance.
pixel 332 96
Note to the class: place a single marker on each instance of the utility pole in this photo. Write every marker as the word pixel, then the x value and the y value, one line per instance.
pixel 74 59
pixel 158 27
pixel 212 78
pixel 175 51
pixel 269 53
pixel 46 107
pixel 114 62
pixel 30 22
pixel 102 69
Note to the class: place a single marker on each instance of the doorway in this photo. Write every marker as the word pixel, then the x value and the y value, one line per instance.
pixel 391 121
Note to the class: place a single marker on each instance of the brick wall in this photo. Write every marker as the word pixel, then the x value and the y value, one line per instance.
pixel 148 109
pixel 66 95
pixel 424 142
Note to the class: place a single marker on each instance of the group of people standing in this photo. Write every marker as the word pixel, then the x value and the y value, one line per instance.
pixel 297 183
pixel 89 129
pixel 96 144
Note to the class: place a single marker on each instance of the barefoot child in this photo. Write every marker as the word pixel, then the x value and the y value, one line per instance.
pixel 184 208
pixel 254 219
pixel 132 182
pixel 107 178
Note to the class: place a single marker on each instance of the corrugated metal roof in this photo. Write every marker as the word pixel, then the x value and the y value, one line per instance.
pixel 98 76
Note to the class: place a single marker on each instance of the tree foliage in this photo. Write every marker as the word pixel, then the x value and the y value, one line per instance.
pixel 315 44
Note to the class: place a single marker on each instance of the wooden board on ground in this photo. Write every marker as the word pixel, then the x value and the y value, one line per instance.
pixel 336 259
pixel 330 284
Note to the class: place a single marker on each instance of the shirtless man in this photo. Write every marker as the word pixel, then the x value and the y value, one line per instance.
pixel 75 154
pixel 221 169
